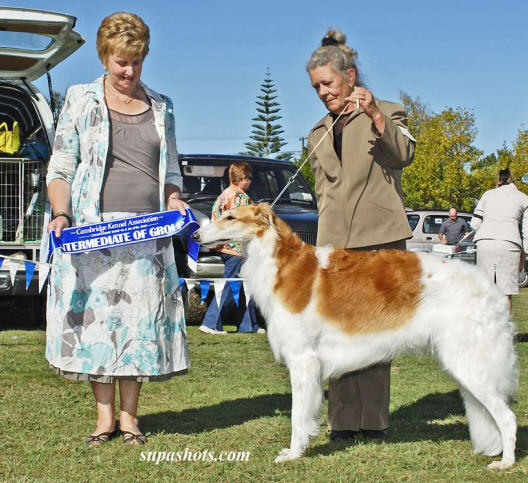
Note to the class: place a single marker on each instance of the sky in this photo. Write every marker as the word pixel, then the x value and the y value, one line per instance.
pixel 210 57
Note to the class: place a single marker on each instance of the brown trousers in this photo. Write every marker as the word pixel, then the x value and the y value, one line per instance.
pixel 360 399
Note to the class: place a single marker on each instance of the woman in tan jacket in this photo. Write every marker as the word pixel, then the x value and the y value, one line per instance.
pixel 357 171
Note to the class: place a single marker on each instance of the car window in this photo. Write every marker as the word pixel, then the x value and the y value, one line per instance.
pixel 413 221
pixel 263 185
pixel 204 180
pixel 432 223
pixel 469 238
pixel 297 190
pixel 24 41
pixel 467 219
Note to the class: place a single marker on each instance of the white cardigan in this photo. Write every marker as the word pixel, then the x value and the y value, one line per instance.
pixel 499 215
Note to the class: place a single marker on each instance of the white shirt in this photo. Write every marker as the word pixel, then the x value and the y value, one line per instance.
pixel 501 214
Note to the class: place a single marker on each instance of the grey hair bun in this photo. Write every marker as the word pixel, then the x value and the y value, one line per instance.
pixel 338 39
pixel 334 51
pixel 335 37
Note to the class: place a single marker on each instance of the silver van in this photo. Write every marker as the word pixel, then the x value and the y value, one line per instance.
pixel 32 42
pixel 425 225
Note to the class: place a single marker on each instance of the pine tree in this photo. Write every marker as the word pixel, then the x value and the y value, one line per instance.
pixel 266 131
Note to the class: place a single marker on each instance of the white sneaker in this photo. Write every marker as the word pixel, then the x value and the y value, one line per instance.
pixel 260 331
pixel 207 330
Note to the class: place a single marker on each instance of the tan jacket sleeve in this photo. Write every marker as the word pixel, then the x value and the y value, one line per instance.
pixel 396 142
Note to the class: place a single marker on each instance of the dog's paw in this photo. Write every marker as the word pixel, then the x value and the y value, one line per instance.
pixel 500 465
pixel 286 454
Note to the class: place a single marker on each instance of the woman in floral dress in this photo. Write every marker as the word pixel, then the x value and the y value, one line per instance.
pixel 115 314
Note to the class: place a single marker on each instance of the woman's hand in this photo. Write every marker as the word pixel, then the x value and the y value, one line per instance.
pixel 365 99
pixel 174 203
pixel 173 193
pixel 58 224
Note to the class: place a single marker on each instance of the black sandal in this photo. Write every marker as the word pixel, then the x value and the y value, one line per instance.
pixel 102 438
pixel 131 438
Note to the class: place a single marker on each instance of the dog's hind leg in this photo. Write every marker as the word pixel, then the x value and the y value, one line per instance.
pixel 484 432
pixel 492 424
pixel 307 398
pixel 505 421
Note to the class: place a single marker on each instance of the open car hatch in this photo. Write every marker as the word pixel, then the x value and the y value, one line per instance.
pixel 34 41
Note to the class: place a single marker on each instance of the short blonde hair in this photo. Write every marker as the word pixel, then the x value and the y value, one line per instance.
pixel 122 33
pixel 237 171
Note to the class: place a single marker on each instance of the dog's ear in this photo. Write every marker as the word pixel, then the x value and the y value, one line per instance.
pixel 264 214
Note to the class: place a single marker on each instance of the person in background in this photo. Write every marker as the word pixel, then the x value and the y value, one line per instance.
pixel 357 170
pixel 232 255
pixel 115 315
pixel 501 224
pixel 453 229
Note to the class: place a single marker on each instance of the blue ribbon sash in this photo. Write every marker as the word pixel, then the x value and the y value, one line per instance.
pixel 115 233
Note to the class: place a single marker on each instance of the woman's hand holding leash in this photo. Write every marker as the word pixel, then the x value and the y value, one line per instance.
pixel 363 98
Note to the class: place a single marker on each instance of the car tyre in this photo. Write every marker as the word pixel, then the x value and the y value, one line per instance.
pixel 523 279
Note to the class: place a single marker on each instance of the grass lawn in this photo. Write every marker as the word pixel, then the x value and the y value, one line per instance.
pixel 236 398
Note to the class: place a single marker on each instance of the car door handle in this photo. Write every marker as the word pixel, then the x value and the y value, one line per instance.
pixel 428 237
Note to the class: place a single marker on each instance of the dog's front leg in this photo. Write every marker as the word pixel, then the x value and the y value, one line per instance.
pixel 307 397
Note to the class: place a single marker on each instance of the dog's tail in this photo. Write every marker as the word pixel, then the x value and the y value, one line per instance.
pixel 485 434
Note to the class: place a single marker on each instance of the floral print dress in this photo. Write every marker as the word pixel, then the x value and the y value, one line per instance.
pixel 113 312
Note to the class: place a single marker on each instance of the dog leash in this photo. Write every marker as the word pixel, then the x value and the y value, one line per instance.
pixel 292 177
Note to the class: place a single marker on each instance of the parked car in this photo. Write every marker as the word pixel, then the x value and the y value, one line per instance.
pixel 425 225
pixel 205 176
pixel 32 42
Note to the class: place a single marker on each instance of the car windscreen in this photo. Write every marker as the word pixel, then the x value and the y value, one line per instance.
pixel 202 181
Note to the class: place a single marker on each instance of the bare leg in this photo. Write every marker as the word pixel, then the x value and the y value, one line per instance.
pixel 104 397
pixel 129 397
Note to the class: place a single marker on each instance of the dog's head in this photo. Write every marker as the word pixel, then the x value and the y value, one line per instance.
pixel 240 224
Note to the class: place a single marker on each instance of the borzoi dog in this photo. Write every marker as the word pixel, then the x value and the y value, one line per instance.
pixel 331 311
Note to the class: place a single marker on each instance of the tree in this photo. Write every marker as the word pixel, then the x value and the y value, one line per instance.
pixel 439 177
pixel 417 112
pixel 266 132
pixel 486 169
pixel 58 102
pixel 307 168
pixel 519 163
